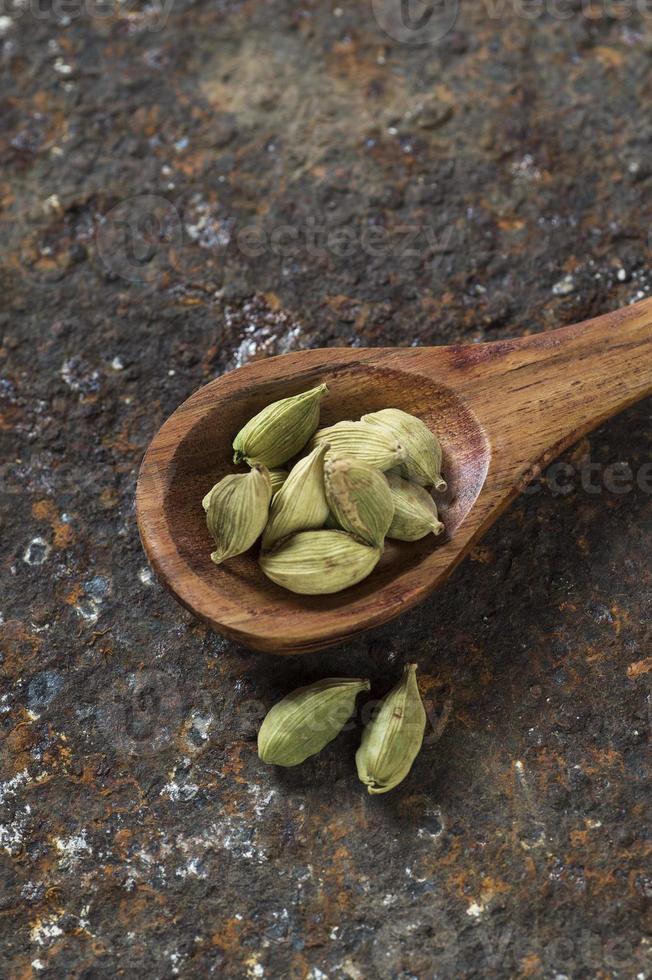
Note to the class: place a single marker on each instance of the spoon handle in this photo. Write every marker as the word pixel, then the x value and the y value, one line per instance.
pixel 536 395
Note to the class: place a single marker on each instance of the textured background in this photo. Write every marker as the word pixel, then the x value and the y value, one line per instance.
pixel 139 834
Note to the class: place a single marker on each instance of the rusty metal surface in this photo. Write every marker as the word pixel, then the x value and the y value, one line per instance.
pixel 149 159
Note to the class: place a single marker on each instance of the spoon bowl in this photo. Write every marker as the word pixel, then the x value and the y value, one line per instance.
pixel 486 403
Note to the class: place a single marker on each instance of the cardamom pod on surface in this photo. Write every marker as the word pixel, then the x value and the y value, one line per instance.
pixel 308 719
pixel 319 562
pixel 300 504
pixel 359 499
pixel 391 742
pixel 423 450
pixel 373 445
pixel 415 512
pixel 236 511
pixel 280 430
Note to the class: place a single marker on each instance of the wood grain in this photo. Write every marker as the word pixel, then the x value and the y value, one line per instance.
pixel 501 410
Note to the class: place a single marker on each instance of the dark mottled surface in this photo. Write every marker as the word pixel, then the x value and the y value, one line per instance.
pixel 139 834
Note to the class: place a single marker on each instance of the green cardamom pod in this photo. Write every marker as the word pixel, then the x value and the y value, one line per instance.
pixel 415 512
pixel 300 504
pixel 373 445
pixel 308 719
pixel 391 742
pixel 280 431
pixel 359 499
pixel 319 562
pixel 236 511
pixel 278 478
pixel 423 460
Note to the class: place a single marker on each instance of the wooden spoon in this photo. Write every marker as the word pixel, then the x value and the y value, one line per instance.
pixel 501 410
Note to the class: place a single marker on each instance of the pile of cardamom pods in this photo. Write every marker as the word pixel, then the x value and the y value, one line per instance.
pixel 324 521
pixel 308 719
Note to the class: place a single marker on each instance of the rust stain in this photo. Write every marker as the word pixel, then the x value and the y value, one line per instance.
pixel 639 667
pixel 511 224
pixel 483 554
pixel 109 498
pixel 121 444
pixel 122 839
pixel 234 763
pixel 75 594
pixel 531 965
pixel 228 937
pixel 20 647
pixel 609 57
pixel 63 534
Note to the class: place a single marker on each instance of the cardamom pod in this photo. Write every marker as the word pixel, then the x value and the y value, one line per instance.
pixel 280 430
pixel 300 504
pixel 373 445
pixel 308 719
pixel 423 461
pixel 359 499
pixel 278 478
pixel 319 562
pixel 415 512
pixel 391 742
pixel 236 511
